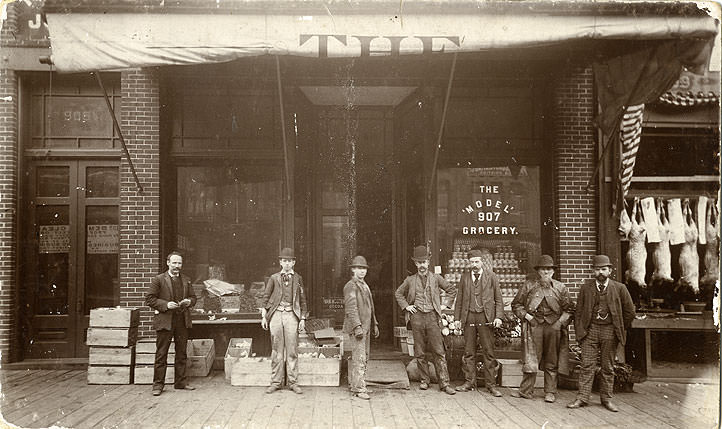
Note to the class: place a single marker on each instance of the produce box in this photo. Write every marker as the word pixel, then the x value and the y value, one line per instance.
pixel 249 371
pixel 112 337
pixel 237 348
pixel 201 353
pixel 147 345
pixel 111 374
pixel 114 317
pixel 400 331
pixel 410 337
pixel 230 303
pixel 511 375
pixel 404 345
pixel 316 324
pixel 324 370
pixel 107 356
pixel 143 374
pixel 149 358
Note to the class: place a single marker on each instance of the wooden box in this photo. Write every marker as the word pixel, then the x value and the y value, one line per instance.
pixel 400 331
pixel 319 371
pixel 106 356
pixel 404 345
pixel 201 353
pixel 249 371
pixel 114 317
pixel 149 358
pixel 110 374
pixel 143 374
pixel 147 345
pixel 511 375
pixel 112 337
pixel 237 348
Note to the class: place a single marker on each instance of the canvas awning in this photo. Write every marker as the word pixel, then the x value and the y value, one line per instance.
pixel 112 41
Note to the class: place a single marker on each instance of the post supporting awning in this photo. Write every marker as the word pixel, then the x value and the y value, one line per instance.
pixel 112 41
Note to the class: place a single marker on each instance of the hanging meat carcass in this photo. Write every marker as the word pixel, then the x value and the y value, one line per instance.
pixel 637 253
pixel 711 255
pixel 688 256
pixel 624 223
pixel 661 255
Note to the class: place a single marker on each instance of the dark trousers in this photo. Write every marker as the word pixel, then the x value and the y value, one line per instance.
pixel 475 330
pixel 599 339
pixel 428 340
pixel 546 343
pixel 178 333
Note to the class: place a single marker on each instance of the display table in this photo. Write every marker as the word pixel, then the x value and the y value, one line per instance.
pixel 699 371
pixel 225 326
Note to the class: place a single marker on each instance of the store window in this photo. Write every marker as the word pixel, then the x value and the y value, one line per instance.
pixel 493 208
pixel 229 225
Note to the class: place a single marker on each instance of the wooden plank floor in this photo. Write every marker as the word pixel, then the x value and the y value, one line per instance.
pixel 43 398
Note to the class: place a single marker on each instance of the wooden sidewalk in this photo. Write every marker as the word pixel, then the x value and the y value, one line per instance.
pixel 43 398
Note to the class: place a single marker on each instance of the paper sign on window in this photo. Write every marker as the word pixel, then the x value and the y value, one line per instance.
pixel 102 239
pixel 54 239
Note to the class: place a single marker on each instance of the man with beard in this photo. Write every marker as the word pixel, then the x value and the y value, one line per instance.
pixel 478 308
pixel 544 308
pixel 420 297
pixel 604 311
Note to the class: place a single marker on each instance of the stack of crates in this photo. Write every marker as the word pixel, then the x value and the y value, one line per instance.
pixel 111 337
pixel 145 360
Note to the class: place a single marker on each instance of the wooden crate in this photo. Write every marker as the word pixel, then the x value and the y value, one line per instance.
pixel 106 356
pixel 147 345
pixel 149 359
pixel 250 371
pixel 237 347
pixel 201 353
pixel 143 374
pixel 110 374
pixel 400 331
pixel 112 337
pixel 404 345
pixel 114 317
pixel 511 375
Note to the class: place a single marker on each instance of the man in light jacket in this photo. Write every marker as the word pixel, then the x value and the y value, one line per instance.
pixel 359 323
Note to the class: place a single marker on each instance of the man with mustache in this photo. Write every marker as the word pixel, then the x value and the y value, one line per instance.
pixel 478 308
pixel 420 297
pixel 544 307
pixel 604 311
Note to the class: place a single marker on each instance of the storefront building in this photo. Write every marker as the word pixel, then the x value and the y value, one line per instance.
pixel 330 152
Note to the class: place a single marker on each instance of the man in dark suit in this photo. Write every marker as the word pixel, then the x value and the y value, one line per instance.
pixel 171 296
pixel 478 307
pixel 604 311
pixel 359 323
pixel 420 297
pixel 284 312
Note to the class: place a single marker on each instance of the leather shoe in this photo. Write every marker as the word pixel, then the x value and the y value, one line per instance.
pixel 495 392
pixel 296 389
pixel 423 386
pixel 465 387
pixel 362 395
pixel 448 390
pixel 518 394
pixel 578 403
pixel 186 387
pixel 157 392
pixel 610 406
pixel 272 388
pixel 549 397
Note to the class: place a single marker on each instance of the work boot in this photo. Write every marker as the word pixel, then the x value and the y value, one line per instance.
pixel 423 385
pixel 578 403
pixel 467 386
pixel 448 390
pixel 272 388
pixel 609 405
pixel 296 389
pixel 549 397
pixel 362 395
pixel 520 394
pixel 494 391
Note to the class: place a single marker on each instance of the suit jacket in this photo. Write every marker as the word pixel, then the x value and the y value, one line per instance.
pixel 358 307
pixel 406 293
pixel 160 293
pixel 490 297
pixel 621 308
pixel 273 293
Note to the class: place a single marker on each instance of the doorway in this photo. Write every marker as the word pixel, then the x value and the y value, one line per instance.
pixel 70 248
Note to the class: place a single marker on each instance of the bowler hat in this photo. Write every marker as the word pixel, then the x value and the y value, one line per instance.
pixel 545 261
pixel 601 261
pixel 286 253
pixel 421 254
pixel 476 253
pixel 358 261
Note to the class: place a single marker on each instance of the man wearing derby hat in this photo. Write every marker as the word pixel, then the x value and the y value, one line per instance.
pixel 420 297
pixel 359 323
pixel 604 311
pixel 478 308
pixel 284 312
pixel 544 308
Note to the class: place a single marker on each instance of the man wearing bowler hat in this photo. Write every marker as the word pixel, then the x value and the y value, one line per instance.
pixel 359 323
pixel 604 311
pixel 478 308
pixel 544 308
pixel 285 312
pixel 420 297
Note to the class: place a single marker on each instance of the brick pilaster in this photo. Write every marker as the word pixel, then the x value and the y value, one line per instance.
pixel 140 212
pixel 8 214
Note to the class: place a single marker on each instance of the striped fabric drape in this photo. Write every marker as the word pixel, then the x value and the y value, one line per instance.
pixel 630 133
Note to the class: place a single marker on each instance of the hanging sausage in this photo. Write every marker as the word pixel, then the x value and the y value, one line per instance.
pixel 661 255
pixel 637 253
pixel 688 256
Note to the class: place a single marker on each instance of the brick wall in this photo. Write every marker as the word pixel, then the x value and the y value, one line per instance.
pixel 8 210
pixel 140 212
pixel 574 162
